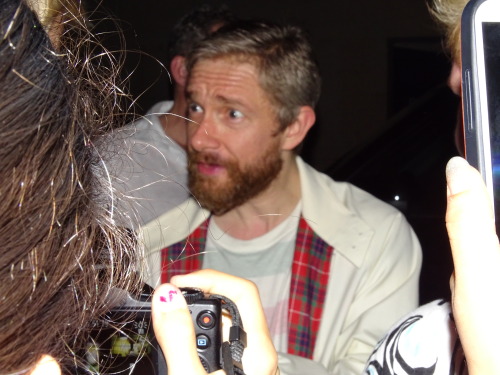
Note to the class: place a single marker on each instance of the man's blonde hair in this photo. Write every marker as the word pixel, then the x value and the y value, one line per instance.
pixel 448 14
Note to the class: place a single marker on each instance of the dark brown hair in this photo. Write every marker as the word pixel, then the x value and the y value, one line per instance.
pixel 283 57
pixel 61 252
pixel 195 26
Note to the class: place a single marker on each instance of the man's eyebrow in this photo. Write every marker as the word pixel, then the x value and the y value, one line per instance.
pixel 229 101
pixel 219 98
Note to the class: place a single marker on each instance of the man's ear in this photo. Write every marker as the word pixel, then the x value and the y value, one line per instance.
pixel 178 70
pixel 295 133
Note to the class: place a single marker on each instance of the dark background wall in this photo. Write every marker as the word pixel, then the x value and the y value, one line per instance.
pixel 353 41
pixel 385 118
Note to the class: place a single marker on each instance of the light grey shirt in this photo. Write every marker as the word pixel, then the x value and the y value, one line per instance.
pixel 148 170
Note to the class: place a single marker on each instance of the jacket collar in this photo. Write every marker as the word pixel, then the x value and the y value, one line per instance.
pixel 325 207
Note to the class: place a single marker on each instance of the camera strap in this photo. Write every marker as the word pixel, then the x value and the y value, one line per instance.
pixel 232 350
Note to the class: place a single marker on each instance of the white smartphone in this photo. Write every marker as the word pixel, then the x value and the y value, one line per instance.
pixel 480 38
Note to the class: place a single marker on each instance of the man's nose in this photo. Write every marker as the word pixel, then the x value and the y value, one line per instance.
pixel 203 135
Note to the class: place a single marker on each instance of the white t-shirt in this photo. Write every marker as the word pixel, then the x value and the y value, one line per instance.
pixel 148 170
pixel 265 260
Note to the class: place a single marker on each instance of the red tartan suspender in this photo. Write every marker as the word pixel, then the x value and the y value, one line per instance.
pixel 185 256
pixel 310 275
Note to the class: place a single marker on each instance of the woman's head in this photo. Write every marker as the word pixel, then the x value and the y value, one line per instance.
pixel 60 250
pixel 448 14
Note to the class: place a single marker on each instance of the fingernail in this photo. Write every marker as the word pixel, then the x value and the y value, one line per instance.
pixel 169 298
pixel 457 175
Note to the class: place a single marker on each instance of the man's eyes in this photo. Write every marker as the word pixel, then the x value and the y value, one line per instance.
pixel 235 114
pixel 193 107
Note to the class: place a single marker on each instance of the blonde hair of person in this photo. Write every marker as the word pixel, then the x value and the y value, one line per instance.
pixel 55 15
pixel 448 14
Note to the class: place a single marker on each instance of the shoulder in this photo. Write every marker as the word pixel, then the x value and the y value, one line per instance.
pixel 149 123
pixel 352 220
pixel 145 140
pixel 323 194
pixel 363 203
pixel 355 199
pixel 173 226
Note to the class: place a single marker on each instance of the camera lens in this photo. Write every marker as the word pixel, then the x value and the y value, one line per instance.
pixel 206 319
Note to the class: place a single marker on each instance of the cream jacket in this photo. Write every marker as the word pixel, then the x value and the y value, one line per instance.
pixel 374 272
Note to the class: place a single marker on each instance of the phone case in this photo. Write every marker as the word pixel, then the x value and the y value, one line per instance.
pixel 470 99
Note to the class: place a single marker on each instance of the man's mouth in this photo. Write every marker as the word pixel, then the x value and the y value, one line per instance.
pixel 209 169
pixel 206 164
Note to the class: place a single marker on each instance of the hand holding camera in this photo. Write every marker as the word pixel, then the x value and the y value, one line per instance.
pixel 188 330
pixel 175 332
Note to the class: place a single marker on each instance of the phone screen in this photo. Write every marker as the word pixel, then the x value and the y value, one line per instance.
pixel 491 42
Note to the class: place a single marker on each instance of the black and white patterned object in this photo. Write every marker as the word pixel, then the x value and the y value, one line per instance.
pixel 423 343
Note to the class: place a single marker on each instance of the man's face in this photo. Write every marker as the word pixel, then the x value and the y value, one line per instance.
pixel 234 146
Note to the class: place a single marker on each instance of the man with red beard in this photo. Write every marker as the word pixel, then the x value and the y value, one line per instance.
pixel 335 267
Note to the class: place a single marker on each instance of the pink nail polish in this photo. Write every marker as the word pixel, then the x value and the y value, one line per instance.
pixel 170 297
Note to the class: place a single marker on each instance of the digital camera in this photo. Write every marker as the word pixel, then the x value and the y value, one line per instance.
pixel 133 349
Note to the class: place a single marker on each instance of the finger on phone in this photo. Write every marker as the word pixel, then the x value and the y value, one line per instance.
pixel 469 216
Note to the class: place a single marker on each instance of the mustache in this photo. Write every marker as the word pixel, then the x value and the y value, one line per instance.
pixel 205 158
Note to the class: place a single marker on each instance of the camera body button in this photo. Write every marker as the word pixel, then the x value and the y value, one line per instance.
pixel 202 342
pixel 206 319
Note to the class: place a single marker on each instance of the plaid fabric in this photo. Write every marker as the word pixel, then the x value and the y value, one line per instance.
pixel 310 274
pixel 185 256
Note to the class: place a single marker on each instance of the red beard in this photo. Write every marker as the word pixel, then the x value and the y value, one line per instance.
pixel 240 185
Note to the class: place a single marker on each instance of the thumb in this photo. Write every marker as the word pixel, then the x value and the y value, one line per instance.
pixel 469 219
pixel 174 331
